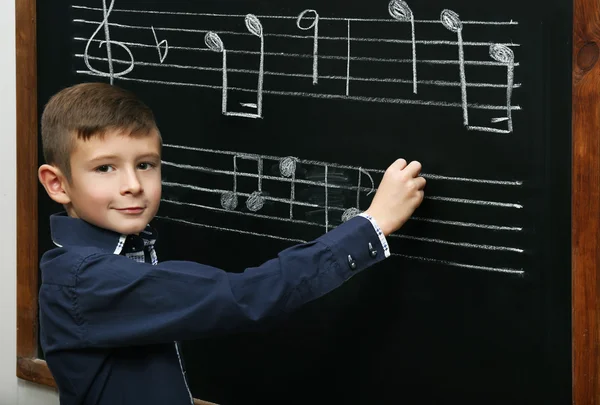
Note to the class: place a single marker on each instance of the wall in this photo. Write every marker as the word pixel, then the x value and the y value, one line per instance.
pixel 12 390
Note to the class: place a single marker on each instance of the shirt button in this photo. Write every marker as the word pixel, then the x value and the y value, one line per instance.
pixel 372 252
pixel 352 263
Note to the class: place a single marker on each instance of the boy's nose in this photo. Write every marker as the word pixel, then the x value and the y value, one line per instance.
pixel 131 184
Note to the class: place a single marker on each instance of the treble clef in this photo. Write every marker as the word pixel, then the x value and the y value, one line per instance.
pixel 104 24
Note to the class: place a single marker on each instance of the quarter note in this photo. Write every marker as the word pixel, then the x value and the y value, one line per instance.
pixel 255 28
pixel 287 168
pixel 452 22
pixel 315 26
pixel 399 10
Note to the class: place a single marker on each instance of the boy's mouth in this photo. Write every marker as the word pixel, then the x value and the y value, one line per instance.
pixel 131 210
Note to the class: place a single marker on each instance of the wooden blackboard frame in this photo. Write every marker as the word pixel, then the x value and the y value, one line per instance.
pixel 585 197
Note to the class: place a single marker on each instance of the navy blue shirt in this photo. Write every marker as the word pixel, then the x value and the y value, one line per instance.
pixel 110 314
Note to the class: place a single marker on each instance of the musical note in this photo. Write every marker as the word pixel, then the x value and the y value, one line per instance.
pixel 401 12
pixel 452 22
pixel 214 43
pixel 164 43
pixel 504 54
pixel 108 43
pixel 315 26
pixel 255 201
pixel 328 176
pixel 348 61
pixel 287 168
pixel 354 211
pixel 340 34
pixel 255 28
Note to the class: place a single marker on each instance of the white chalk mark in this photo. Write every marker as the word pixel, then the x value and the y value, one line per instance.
pixel 295 240
pixel 452 22
pixel 229 199
pixel 239 231
pixel 346 215
pixel 319 95
pixel 108 44
pixel 463 265
pixel 350 213
pixel 399 10
pixel 504 54
pixel 326 200
pixel 500 119
pixel 256 200
pixel 287 168
pixel 348 62
pixel 255 28
pixel 278 17
pixel 239 193
pixel 459 244
pixel 327 38
pixel 441 83
pixel 160 44
pixel 469 224
pixel 475 202
pixel 215 44
pixel 514 183
pixel 487 129
pixel 315 26
pixel 330 57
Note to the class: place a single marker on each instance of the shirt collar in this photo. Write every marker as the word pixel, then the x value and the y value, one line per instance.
pixel 68 231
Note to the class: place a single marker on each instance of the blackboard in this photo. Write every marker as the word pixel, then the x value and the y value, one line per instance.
pixel 474 306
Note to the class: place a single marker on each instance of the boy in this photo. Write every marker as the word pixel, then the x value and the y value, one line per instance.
pixel 110 314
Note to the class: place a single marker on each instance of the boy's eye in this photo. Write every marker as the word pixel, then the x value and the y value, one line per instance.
pixel 104 168
pixel 145 165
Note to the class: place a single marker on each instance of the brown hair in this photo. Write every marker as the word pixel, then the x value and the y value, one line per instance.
pixel 87 110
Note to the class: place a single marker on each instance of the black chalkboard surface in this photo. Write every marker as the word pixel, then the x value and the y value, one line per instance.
pixel 278 120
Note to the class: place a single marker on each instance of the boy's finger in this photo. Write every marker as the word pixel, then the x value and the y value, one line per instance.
pixel 401 163
pixel 413 168
pixel 420 183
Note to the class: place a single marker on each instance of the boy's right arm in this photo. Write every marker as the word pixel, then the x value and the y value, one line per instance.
pixel 114 301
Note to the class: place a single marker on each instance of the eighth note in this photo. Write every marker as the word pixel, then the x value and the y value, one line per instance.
pixel 214 43
pixel 164 43
pixel 108 43
pixel 504 54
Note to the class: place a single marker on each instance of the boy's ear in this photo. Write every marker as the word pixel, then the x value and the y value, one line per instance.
pixel 54 182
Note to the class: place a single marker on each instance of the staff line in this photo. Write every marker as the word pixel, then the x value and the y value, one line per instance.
pixel 296 240
pixel 297 36
pixel 340 166
pixel 265 177
pixel 387 20
pixel 304 222
pixel 303 204
pixel 329 226
pixel 441 83
pixel 311 56
pixel 328 96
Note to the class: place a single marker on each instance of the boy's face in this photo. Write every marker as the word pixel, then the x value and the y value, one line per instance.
pixel 115 181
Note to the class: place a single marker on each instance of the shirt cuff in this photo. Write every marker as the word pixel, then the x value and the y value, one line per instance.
pixel 379 232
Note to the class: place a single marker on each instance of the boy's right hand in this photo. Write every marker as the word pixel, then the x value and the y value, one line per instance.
pixel 399 194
